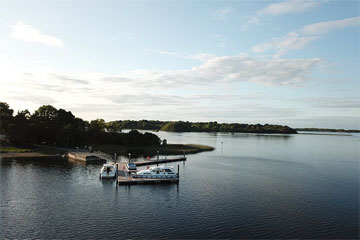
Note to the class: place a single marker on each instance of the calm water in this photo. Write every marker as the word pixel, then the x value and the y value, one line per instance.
pixel 251 186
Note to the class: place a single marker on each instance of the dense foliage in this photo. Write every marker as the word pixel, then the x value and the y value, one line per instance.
pixel 180 126
pixel 61 128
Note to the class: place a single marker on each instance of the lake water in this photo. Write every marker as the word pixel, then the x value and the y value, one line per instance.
pixel 250 186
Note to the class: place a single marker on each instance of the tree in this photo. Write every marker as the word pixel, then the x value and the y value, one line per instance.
pixel 6 117
pixel 21 131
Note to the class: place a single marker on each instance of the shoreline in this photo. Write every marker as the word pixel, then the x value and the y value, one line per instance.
pixel 26 155
pixel 50 151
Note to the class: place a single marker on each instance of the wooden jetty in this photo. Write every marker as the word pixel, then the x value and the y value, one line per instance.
pixel 85 157
pixel 96 156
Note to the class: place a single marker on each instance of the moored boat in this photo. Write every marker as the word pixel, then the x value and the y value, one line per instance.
pixel 108 171
pixel 156 172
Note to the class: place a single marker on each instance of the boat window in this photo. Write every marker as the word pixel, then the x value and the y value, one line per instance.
pixel 167 170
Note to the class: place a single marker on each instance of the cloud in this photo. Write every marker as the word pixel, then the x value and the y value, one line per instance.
pixel 231 69
pixel 185 107
pixel 127 36
pixel 40 100
pixel 300 38
pixel 290 6
pixel 281 8
pixel 335 102
pixel 225 69
pixel 325 27
pixel 70 79
pixel 202 92
pixel 28 33
pixel 223 14
pixel 328 121
pixel 200 56
pixel 221 40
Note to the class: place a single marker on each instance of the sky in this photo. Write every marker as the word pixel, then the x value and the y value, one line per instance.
pixel 292 62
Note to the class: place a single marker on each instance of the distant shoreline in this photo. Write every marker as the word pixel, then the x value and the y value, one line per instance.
pixel 325 134
pixel 327 130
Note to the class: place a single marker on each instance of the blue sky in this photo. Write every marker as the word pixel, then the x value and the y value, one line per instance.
pixel 291 62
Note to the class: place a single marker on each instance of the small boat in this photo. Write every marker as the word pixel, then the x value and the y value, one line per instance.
pixel 108 171
pixel 131 166
pixel 156 172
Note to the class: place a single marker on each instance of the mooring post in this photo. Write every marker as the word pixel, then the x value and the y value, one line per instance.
pixel 157 155
pixel 178 170
pixel 115 157
pixel 116 174
pixel 129 157
pixel 184 153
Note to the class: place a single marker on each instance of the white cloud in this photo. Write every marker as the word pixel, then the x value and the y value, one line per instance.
pixel 205 89
pixel 325 27
pixel 200 56
pixel 341 103
pixel 299 38
pixel 281 8
pixel 223 14
pixel 290 6
pixel 28 33
pixel 221 41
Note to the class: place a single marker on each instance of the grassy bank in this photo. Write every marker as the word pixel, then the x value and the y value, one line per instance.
pixel 12 149
pixel 48 150
pixel 169 149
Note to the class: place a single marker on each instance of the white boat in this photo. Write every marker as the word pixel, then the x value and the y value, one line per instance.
pixel 156 172
pixel 108 170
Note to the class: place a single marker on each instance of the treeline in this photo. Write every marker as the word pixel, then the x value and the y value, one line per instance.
pixel 327 130
pixel 51 126
pixel 181 126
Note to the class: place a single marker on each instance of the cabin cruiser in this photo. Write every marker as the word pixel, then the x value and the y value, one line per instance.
pixel 156 172
pixel 108 170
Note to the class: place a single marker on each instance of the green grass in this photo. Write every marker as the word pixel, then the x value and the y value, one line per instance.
pixel 49 150
pixel 11 149
pixel 40 149
pixel 169 149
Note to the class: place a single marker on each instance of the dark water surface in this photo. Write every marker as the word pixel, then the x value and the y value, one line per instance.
pixel 251 186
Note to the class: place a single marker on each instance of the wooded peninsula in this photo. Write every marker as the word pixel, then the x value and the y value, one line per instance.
pixel 60 129
pixel 180 126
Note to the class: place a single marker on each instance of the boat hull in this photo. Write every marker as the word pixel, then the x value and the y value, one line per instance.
pixel 155 176
pixel 105 175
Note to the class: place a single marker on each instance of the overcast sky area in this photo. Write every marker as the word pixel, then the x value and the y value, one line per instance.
pixel 291 62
